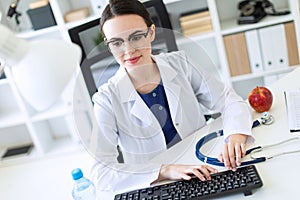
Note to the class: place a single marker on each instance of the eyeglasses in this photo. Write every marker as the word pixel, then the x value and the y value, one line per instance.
pixel 136 40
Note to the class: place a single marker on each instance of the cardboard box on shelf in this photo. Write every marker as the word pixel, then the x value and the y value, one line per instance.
pixel 77 14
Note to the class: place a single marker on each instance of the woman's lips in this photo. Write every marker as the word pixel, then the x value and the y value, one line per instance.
pixel 133 60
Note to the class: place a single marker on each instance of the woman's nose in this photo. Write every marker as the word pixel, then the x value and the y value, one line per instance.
pixel 127 47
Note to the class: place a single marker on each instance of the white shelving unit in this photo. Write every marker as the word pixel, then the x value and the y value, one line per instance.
pixel 53 130
pixel 224 15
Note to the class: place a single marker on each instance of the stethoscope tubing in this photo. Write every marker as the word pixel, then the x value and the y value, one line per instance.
pixel 215 161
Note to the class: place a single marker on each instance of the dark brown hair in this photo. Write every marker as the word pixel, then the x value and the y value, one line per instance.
pixel 123 7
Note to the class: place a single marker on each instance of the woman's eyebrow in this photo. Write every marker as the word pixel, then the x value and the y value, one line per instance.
pixel 115 38
pixel 135 32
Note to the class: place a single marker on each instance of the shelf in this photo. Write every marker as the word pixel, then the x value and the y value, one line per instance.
pixel 231 26
pixel 165 1
pixel 12 119
pixel 32 33
pixel 170 1
pixel 57 110
pixel 261 74
pixel 64 145
pixel 59 148
pixel 180 39
pixel 83 21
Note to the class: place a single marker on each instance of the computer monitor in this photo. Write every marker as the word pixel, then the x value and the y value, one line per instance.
pixel 97 64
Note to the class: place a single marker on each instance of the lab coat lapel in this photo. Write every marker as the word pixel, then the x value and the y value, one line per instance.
pixel 140 110
pixel 171 88
pixel 136 104
pixel 173 95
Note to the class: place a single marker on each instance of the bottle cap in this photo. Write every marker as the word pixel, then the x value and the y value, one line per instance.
pixel 77 174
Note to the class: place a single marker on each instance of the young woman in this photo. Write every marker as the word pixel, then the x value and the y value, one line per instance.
pixel 152 102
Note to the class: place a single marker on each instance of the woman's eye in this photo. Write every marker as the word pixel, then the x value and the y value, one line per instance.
pixel 136 37
pixel 117 43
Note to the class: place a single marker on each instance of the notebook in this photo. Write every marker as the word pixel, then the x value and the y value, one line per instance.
pixel 292 100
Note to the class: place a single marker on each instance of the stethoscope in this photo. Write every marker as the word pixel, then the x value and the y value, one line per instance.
pixel 265 119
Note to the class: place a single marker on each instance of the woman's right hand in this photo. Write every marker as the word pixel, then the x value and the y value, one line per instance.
pixel 186 172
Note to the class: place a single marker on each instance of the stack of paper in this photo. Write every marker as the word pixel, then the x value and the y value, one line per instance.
pixel 292 99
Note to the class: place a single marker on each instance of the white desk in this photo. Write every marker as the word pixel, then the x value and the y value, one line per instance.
pixel 50 178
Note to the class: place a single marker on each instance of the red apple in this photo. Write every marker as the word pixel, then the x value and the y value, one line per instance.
pixel 260 99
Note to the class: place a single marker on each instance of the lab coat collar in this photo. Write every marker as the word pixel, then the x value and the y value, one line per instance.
pixel 126 88
pixel 139 109
pixel 172 90
pixel 129 95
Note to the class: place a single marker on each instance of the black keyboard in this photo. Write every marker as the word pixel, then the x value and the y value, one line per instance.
pixel 243 180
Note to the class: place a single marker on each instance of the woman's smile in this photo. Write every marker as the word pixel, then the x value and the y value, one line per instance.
pixel 133 60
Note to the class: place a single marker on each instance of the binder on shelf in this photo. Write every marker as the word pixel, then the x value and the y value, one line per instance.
pixel 254 51
pixel 274 47
pixel 291 42
pixel 237 54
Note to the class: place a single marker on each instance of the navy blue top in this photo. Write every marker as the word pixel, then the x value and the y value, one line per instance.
pixel 157 102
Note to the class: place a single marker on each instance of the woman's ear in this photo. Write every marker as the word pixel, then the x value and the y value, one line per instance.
pixel 152 32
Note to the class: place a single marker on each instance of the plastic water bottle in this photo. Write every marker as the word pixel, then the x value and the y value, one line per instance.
pixel 83 189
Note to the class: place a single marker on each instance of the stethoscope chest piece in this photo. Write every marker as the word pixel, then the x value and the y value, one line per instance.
pixel 266 118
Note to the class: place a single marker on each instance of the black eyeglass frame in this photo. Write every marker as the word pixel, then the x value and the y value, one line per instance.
pixel 128 39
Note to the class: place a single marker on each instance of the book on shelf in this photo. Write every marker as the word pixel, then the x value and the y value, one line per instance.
pixel 195 22
pixel 197 30
pixel 194 15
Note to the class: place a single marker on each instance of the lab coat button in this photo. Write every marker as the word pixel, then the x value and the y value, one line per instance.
pixel 177 124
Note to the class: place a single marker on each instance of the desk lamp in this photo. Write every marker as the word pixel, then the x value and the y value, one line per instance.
pixel 40 69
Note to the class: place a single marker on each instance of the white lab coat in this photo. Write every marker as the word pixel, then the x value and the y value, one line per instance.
pixel 124 119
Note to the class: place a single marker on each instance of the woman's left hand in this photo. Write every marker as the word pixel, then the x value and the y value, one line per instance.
pixel 234 151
